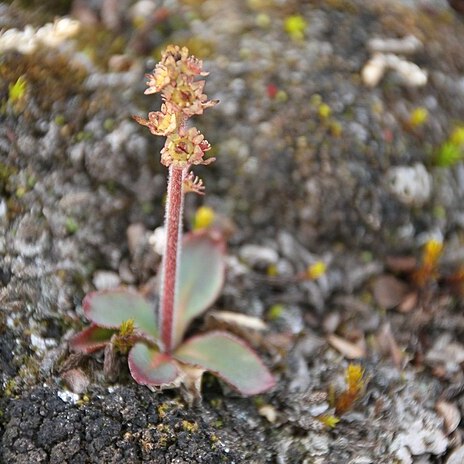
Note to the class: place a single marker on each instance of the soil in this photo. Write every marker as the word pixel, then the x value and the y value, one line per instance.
pixel 312 165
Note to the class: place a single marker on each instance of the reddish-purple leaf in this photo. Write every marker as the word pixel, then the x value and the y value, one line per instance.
pixel 148 366
pixel 111 308
pixel 92 339
pixel 230 359
pixel 201 277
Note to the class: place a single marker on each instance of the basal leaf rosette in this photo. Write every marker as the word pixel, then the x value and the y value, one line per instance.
pixel 200 282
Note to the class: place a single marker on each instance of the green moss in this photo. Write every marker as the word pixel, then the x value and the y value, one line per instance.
pixel 47 76
pixel 367 256
pixel 11 388
pixel 147 207
pixel 218 424
pixel 83 136
pixel 295 26
pixel 16 93
pixel 31 181
pixel 109 124
pixel 71 225
pixel 448 155
pixel 216 403
pixel 6 172
pixel 275 311
pixel 163 409
pixel 418 116
pixel 49 7
pixel 60 120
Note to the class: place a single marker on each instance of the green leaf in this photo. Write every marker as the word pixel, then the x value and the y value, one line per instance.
pixel 92 339
pixel 148 366
pixel 111 308
pixel 201 277
pixel 230 359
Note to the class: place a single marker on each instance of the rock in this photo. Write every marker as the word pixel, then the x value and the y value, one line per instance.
pixel 451 415
pixel 457 456
pixel 447 353
pixel 374 70
pixel 412 185
pixel 406 45
pixel 135 238
pixel 421 440
pixel 389 291
pixel 104 280
pixel 76 380
pixel 258 256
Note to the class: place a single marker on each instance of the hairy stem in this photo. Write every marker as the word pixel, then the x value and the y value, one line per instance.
pixel 173 226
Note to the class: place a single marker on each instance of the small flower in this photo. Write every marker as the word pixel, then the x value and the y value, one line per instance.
pixel 158 80
pixel 175 63
pixel 162 122
pixel 188 96
pixel 193 183
pixel 184 148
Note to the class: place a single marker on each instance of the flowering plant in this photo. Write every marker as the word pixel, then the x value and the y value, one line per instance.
pixel 191 276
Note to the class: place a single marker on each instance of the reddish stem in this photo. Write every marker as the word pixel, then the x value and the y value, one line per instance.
pixel 173 226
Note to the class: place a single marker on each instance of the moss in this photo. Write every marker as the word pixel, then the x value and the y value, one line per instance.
pixel 190 427
pixel 216 403
pixel 109 124
pixel 275 311
pixel 11 388
pixel 163 409
pixel 83 401
pixel 50 78
pixel 50 8
pixel 100 44
pixel 20 192
pixel 60 120
pixel 6 171
pixel 218 423
pixel 166 436
pixel 71 225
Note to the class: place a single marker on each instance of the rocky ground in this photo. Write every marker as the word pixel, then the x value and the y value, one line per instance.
pixel 319 159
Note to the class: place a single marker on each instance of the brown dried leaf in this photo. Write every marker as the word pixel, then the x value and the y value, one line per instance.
pixel 348 349
pixel 388 344
pixel 409 302
pixel 247 327
pixel 111 364
pixel 389 291
pixel 191 384
pixel 236 319
pixel 451 415
pixel 331 322
pixel 401 264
